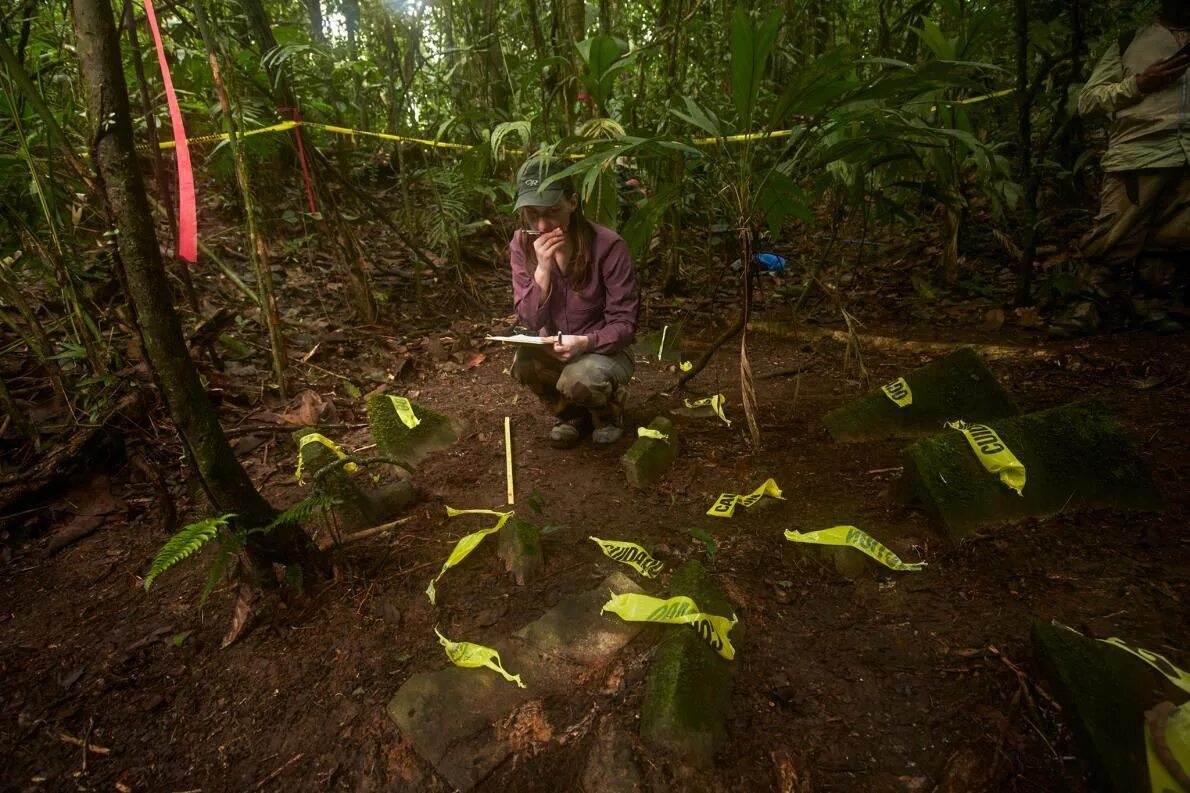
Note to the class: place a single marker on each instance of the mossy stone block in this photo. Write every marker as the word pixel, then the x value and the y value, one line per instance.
pixel 354 508
pixel 689 684
pixel 519 547
pixel 647 459
pixel 433 432
pixel 957 385
pixel 1075 457
pixel 1104 692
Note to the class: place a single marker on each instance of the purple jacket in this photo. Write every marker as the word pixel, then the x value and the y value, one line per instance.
pixel 604 308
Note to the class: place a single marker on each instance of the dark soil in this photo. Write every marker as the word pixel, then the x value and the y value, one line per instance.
pixel 893 682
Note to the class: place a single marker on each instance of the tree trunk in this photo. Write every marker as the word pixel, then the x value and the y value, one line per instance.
pixel 314 11
pixel 498 86
pixel 1025 143
pixel 138 261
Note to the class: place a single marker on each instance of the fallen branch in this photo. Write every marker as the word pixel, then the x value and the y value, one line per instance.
pixel 326 543
pixel 90 747
pixel 993 351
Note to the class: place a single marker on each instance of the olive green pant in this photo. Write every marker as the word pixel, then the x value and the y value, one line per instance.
pixel 569 389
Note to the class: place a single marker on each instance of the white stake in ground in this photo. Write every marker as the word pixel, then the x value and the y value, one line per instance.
pixel 508 457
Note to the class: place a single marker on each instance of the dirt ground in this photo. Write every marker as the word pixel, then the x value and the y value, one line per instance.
pixel 895 682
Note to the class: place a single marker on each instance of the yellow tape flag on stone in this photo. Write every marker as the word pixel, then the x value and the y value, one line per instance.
pixel 630 554
pixel 716 404
pixel 1159 662
pixel 467 544
pixel 1175 739
pixel 898 391
pixel 685 366
pixel 474 656
pixel 993 454
pixel 405 411
pixel 679 610
pixel 860 540
pixel 315 437
pixel 647 432
pixel 725 504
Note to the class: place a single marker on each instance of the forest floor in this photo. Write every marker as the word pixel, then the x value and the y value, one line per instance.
pixel 912 681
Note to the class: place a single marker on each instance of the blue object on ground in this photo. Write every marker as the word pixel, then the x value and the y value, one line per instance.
pixel 771 262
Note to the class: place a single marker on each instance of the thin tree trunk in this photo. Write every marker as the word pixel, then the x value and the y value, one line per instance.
pixel 605 17
pixel 314 11
pixel 257 248
pixel 138 260
pixel 1025 143
pixel 159 172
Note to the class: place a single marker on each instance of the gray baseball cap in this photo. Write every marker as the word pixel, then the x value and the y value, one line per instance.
pixel 529 178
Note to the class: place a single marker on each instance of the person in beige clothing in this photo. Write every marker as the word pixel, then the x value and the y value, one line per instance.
pixel 1141 84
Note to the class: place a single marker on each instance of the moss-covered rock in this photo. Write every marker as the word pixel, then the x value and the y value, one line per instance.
pixel 689 684
pixel 433 432
pixel 1075 457
pixel 958 385
pixel 1104 692
pixel 647 459
pixel 519 547
pixel 358 505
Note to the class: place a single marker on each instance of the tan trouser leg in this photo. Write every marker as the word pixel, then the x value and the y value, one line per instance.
pixel 1138 209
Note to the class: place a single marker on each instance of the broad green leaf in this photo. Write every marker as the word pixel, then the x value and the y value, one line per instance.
pixel 750 48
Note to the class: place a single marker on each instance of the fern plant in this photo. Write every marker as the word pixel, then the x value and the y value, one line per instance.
pixel 231 540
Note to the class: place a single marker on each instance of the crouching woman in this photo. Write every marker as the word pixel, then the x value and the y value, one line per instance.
pixel 572 279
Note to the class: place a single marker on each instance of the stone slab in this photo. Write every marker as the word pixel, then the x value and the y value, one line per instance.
pixel 519 548
pixel 1075 457
pixel 958 385
pixel 688 688
pixel 452 716
pixel 434 432
pixel 648 459
pixel 1104 692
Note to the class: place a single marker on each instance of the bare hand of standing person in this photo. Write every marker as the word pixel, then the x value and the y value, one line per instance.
pixel 1163 73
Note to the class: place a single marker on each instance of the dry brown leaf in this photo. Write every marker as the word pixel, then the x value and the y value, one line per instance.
pixel 993 320
pixel 1028 317
pixel 241 616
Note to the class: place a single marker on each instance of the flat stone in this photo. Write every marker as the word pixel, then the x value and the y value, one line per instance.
pixel 611 766
pixel 648 459
pixel 434 432
pixel 689 685
pixel 519 547
pixel 451 715
pixel 1075 457
pixel 957 385
pixel 1104 692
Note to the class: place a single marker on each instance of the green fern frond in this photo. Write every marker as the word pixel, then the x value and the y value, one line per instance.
pixel 227 552
pixel 300 511
pixel 183 544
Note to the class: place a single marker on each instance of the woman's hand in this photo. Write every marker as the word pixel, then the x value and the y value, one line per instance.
pixel 548 247
pixel 571 347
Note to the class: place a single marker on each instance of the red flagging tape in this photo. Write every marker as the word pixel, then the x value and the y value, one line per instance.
pixel 187 209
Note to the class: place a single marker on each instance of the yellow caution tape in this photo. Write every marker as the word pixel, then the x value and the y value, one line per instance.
pixel 898 391
pixel 467 544
pixel 860 540
pixel 405 411
pixel 630 554
pixel 1159 662
pixel 725 504
pixel 315 437
pixel 679 610
pixel 716 404
pixel 1177 741
pixel 474 656
pixel 685 366
pixel 993 453
pixel 647 432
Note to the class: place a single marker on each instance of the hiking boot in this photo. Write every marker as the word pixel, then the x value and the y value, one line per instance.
pixel 607 434
pixel 567 432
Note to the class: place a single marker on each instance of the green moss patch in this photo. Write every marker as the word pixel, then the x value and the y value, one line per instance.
pixel 434 432
pixel 647 460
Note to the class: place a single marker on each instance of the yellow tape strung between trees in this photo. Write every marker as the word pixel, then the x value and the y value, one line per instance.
pixel 855 538
pixel 630 554
pixel 404 411
pixel 714 402
pixel 315 437
pixel 474 656
pixel 285 126
pixel 993 454
pixel 898 391
pixel 725 504
pixel 467 544
pixel 647 432
pixel 679 610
